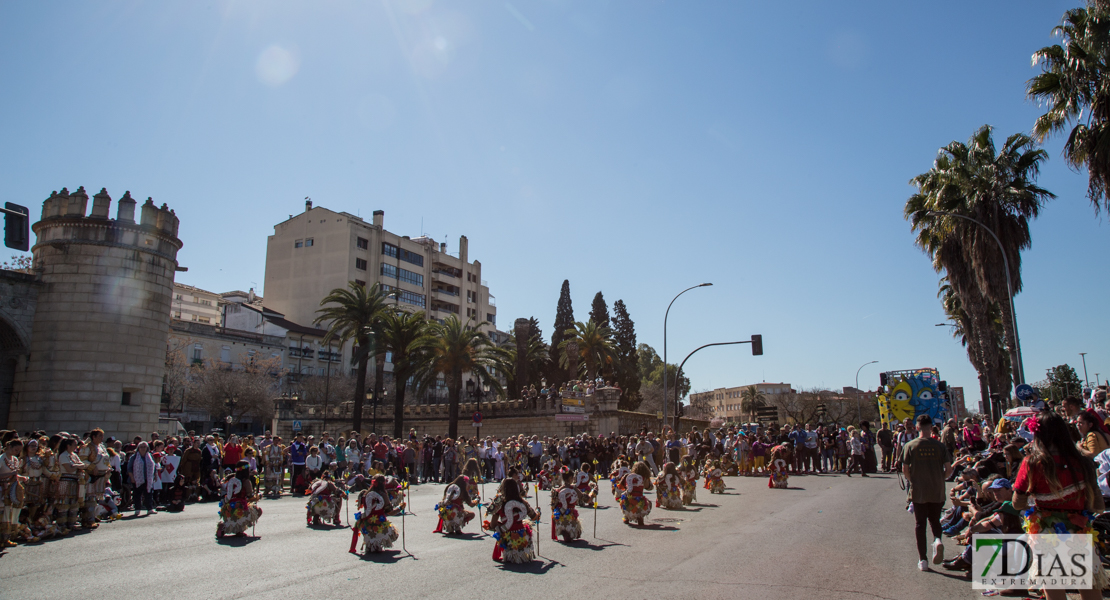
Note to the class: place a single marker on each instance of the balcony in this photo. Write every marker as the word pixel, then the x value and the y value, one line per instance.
pixel 446 295
pixel 295 352
pixel 446 276
pixel 330 356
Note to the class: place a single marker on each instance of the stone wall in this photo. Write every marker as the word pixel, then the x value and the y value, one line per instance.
pixel 18 300
pixel 102 318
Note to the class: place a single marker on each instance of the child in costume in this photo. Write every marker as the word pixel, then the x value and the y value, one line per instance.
pixel 396 490
pixel 453 515
pixel 620 469
pixel 374 506
pixel 325 501
pixel 633 502
pixel 689 480
pixel 239 508
pixel 668 488
pixel 713 481
pixel 511 523
pixel 778 479
pixel 473 472
pixel 564 514
pixel 587 489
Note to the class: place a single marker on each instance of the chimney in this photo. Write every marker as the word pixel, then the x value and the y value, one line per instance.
pixel 443 247
pixel 307 204
pixel 379 218
pixel 126 210
pixel 464 246
pixel 101 203
pixel 250 296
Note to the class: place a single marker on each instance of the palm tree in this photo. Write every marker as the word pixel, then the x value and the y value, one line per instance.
pixel 595 347
pixel 752 398
pixel 356 313
pixel 456 350
pixel 1073 88
pixel 996 188
pixel 535 355
pixel 407 336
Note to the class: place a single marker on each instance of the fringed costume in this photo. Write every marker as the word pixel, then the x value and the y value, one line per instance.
pixel 372 523
pixel 668 491
pixel 453 515
pixel 325 503
pixel 633 502
pixel 713 479
pixel 779 476
pixel 239 509
pixel 564 514
pixel 512 528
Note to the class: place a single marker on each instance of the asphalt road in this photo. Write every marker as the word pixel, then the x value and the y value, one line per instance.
pixel 826 537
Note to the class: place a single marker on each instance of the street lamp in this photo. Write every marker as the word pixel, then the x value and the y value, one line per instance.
pixel 668 313
pixel 859 415
pixel 1086 382
pixel 678 373
pixel 1020 369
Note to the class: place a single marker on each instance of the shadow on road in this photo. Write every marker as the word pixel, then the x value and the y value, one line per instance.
pixel 699 504
pixel 326 527
pixel 464 536
pixel 535 567
pixel 610 543
pixel 793 487
pixel 384 557
pixel 585 544
pixel 237 541
pixel 656 527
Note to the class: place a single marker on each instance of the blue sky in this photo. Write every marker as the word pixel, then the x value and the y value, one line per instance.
pixel 635 148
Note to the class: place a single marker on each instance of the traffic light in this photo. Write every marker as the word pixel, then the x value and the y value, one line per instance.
pixel 942 386
pixel 882 379
pixel 15 226
pixel 757 344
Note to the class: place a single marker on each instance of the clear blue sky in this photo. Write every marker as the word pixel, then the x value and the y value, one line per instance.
pixel 636 148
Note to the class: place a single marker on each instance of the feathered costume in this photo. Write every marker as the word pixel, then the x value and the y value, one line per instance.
pixel 587 489
pixel 633 502
pixel 513 531
pixel 778 474
pixel 668 491
pixel 324 503
pixel 689 483
pixel 616 476
pixel 713 481
pixel 377 532
pixel 239 508
pixel 453 515
pixel 564 514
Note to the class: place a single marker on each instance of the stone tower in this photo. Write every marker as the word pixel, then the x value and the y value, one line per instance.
pixel 98 347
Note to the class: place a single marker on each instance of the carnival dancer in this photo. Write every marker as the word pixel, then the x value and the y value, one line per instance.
pixel 325 501
pixel 713 481
pixel 473 472
pixel 34 470
pixel 71 485
pixel 543 478
pixel 371 522
pixel 620 469
pixel 587 489
pixel 511 523
pixel 453 515
pixel 689 480
pixel 779 476
pixel 273 460
pixel 11 492
pixel 396 490
pixel 564 514
pixel 239 508
pixel 96 459
pixel 633 503
pixel 668 488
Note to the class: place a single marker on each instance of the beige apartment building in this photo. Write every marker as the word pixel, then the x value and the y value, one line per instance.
pixel 725 403
pixel 195 305
pixel 319 250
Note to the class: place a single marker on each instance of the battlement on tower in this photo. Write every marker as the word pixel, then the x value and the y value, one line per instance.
pixel 66 218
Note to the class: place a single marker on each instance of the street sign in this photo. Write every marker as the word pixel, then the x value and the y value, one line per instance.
pixel 574 409
pixel 477 418
pixel 476 424
pixel 296 425
pixel 575 418
pixel 1025 392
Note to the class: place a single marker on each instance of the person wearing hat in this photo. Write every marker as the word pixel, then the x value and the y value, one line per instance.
pixel 1003 519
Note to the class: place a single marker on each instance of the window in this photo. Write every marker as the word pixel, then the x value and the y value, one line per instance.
pixel 360 283
pixel 125 399
pixel 177 297
pixel 206 303
pixel 177 315
pixel 408 297
pixel 395 252
pixel 308 242
pixel 362 243
pixel 402 275
pixel 360 264
pixel 198 351
pixel 298 244
pixel 470 296
pixel 225 354
pixel 204 319
pixel 492 318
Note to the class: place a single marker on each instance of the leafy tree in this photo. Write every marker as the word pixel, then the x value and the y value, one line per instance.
pixel 599 311
pixel 651 366
pixel 458 350
pixel 564 320
pixel 252 388
pixel 1063 381
pixel 407 336
pixel 595 347
pixel 536 359
pixel 356 313
pixel 627 371
pixel 1073 88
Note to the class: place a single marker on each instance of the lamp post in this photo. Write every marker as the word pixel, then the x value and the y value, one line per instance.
pixel 1019 369
pixel 678 373
pixel 667 314
pixel 859 415
pixel 1086 382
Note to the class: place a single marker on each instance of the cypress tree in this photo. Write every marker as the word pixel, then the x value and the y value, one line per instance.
pixel 627 369
pixel 564 320
pixel 599 312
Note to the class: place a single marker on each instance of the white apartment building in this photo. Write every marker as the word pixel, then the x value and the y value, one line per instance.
pixel 319 250
pixel 195 305
pixel 725 403
pixel 304 350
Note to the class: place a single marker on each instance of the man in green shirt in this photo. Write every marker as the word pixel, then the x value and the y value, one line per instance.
pixel 926 464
